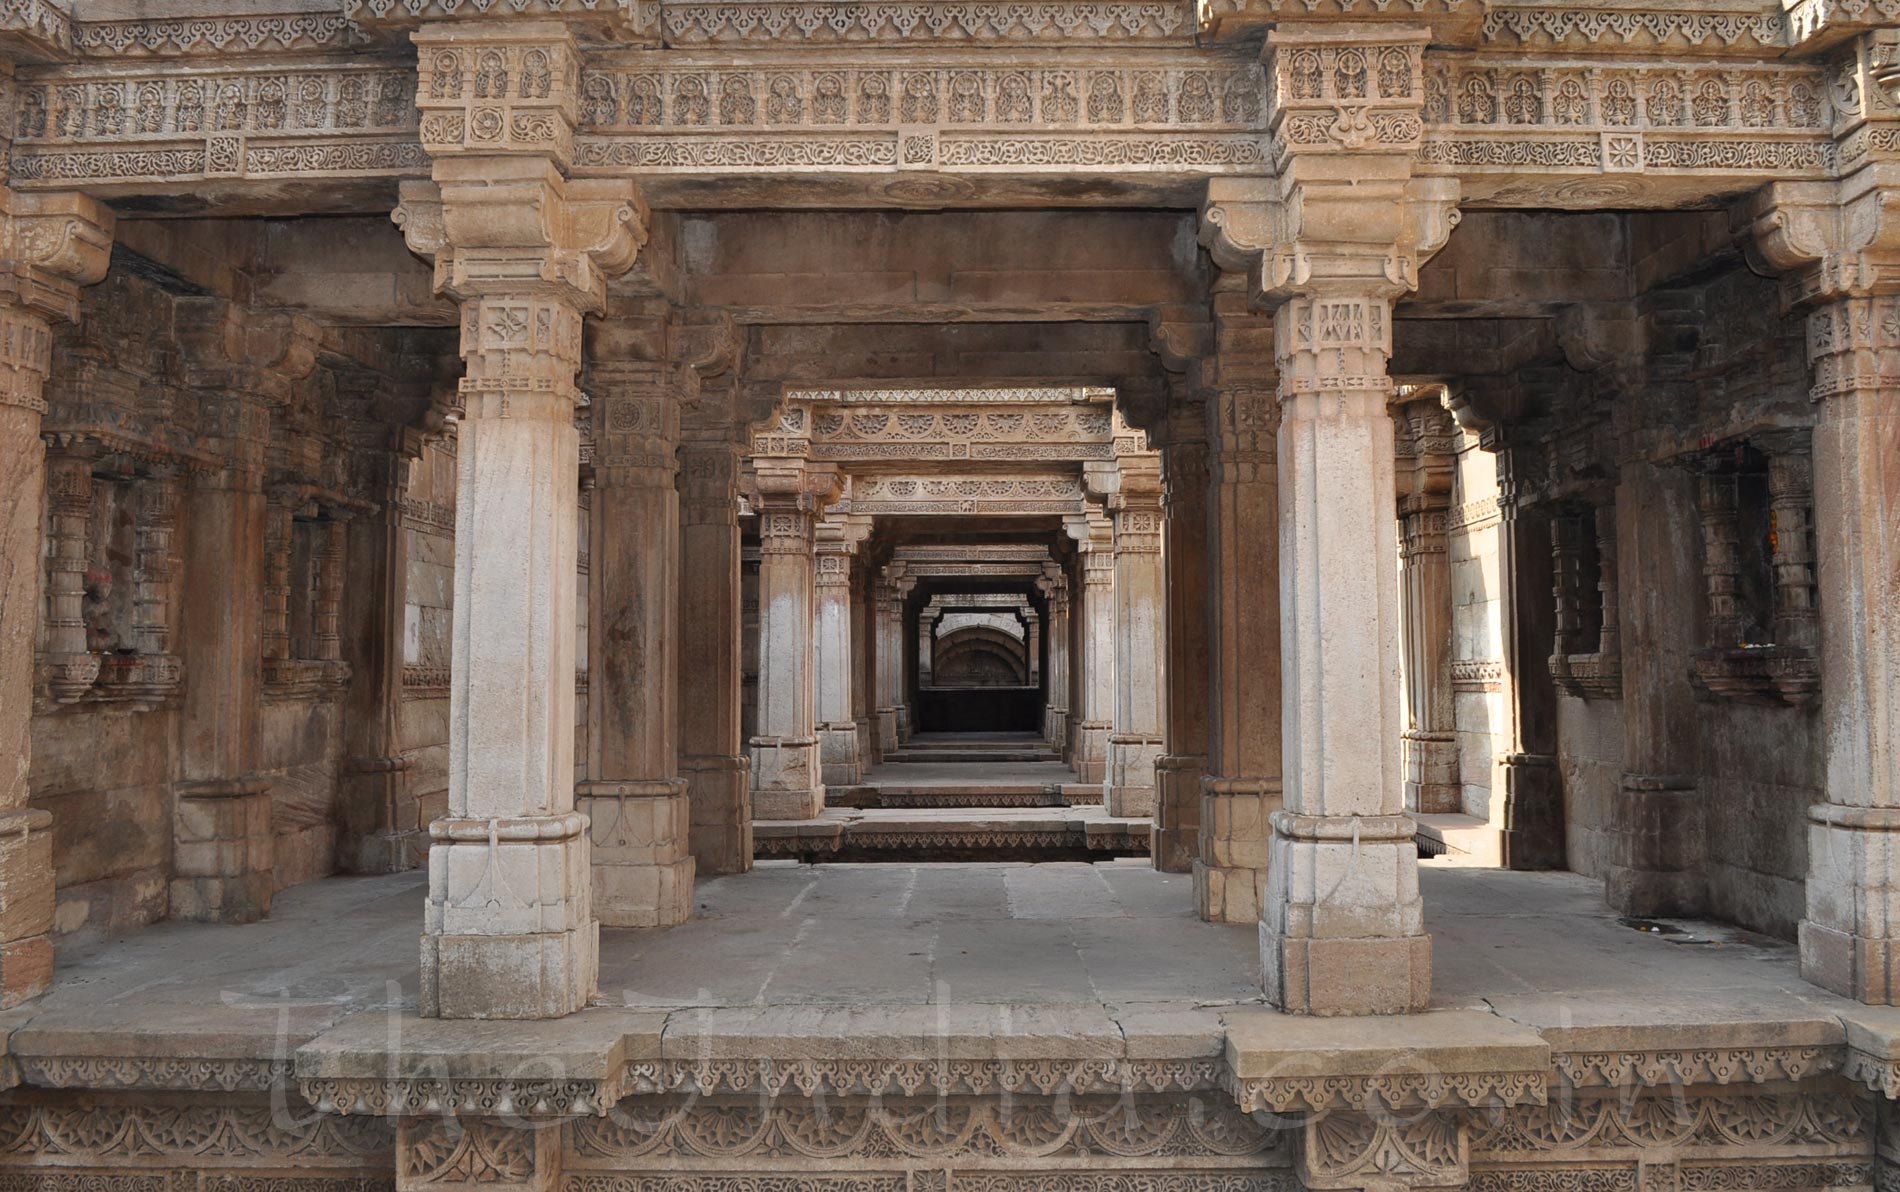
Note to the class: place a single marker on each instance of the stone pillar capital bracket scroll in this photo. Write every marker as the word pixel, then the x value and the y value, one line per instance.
pixel 50 246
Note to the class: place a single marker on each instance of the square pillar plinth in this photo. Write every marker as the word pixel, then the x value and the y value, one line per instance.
pixel 1236 832
pixel 642 870
pixel 1342 931
pixel 784 773
pixel 1847 936
pixel 508 929
pixel 26 905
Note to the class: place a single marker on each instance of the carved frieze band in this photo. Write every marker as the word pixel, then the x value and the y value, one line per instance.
pixel 1112 110
pixel 1616 118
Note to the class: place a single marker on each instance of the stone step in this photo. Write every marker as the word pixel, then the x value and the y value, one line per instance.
pixel 972 756
pixel 846 836
pixel 885 794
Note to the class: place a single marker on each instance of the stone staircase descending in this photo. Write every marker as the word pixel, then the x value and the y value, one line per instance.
pixel 960 797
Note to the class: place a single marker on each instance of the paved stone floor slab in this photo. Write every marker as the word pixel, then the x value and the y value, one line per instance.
pixel 1539 949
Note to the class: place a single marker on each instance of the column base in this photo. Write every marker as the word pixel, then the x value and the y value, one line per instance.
pixel 1055 727
pixel 1129 787
pixel 379 853
pixel 1342 931
pixel 903 723
pixel 508 929
pixel 222 854
pixel 1431 773
pixel 638 832
pixel 1236 840
pixel 887 729
pixel 1226 895
pixel 1853 891
pixel 1533 828
pixel 1091 752
pixel 1656 848
pixel 26 905
pixel 868 753
pixel 1177 830
pixel 784 773
pixel 838 754
pixel 718 788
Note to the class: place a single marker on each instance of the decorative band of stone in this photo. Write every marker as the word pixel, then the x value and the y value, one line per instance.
pixel 1715 1065
pixel 509 831
pixel 654 788
pixel 1392 1090
pixel 947 1077
pixel 1362 829
pixel 475 1098
pixel 153 1072
pixel 1878 1073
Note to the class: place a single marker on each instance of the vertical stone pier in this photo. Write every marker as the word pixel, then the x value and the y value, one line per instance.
pixel 509 928
pixel 52 244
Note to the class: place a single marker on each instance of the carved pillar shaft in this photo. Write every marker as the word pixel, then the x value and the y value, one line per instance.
pixel 1533 825
pixel 832 655
pixel 1791 498
pixel 157 518
pixel 221 828
pixel 1609 641
pixel 1343 926
pixel 1657 829
pixel 44 263
pixel 712 753
pixel 636 803
pixel 279 526
pixel 863 661
pixel 509 930
pixel 71 664
pixel 887 610
pixel 1717 499
pixel 1850 936
pixel 1097 677
pixel 380 828
pixel 1178 774
pixel 1056 709
pixel 1430 743
pixel 786 784
pixel 1242 789
pixel 329 594
pixel 1140 638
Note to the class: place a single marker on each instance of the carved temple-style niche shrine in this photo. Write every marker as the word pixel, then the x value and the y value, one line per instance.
pixel 1756 501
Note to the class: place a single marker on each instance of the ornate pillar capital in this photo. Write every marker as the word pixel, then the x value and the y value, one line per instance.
pixel 1830 240
pixel 51 245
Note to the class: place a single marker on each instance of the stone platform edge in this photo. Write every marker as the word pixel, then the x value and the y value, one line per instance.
pixel 394 1063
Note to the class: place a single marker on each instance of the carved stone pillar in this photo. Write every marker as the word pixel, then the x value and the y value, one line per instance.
pixel 1657 837
pixel 1330 242
pixel 1140 645
pixel 380 829
pixel 927 646
pixel 895 588
pixel 1095 717
pixel 1054 585
pixel 1242 788
pixel 863 666
pixel 509 928
pixel 1533 820
pixel 1179 773
pixel 1430 741
pixel 712 758
pixel 72 667
pixel 786 782
pixel 1841 245
pixel 221 828
pixel 834 546
pixel 50 245
pixel 636 803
